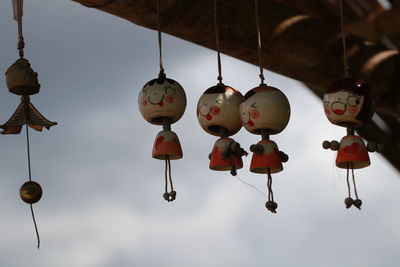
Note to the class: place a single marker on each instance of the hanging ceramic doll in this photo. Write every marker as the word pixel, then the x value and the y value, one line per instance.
pixel 348 103
pixel 266 111
pixel 218 114
pixel 162 101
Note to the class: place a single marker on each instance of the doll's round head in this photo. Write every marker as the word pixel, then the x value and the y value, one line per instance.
pixel 218 110
pixel 265 109
pixel 160 99
pixel 347 102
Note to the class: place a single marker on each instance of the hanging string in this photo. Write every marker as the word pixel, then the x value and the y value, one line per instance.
pixel 345 63
pixel 30 180
pixel 28 152
pixel 250 185
pixel 354 181
pixel 169 173
pixel 219 78
pixel 18 10
pixel 162 73
pixel 168 196
pixel 347 179
pixel 269 186
pixel 259 42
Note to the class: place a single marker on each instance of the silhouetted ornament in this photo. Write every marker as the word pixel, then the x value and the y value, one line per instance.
pixel 30 192
pixel 21 79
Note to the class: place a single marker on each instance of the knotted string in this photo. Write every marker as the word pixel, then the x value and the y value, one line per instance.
pixel 18 12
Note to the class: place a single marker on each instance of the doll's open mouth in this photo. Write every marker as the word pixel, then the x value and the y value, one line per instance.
pixel 338 108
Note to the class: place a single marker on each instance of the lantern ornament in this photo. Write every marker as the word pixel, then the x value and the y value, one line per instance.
pixel 22 80
pixel 218 114
pixel 162 101
pixel 348 103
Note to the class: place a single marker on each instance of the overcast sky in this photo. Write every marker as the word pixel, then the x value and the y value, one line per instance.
pixel 102 204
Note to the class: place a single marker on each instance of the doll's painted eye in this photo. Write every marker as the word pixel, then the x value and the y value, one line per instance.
pixel 218 101
pixel 253 105
pixel 353 100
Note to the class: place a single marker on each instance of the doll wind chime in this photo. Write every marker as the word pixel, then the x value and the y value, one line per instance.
pixel 218 114
pixel 22 80
pixel 265 111
pixel 162 101
pixel 347 103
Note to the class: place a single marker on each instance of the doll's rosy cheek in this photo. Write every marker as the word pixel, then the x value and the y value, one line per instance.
pixel 353 110
pixel 170 98
pixel 144 101
pixel 215 110
pixel 255 114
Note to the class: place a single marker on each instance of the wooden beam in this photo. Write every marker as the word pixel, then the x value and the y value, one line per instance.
pixel 296 45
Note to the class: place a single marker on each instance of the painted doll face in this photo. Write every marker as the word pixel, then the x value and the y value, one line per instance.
pixel 218 108
pixel 347 102
pixel 265 108
pixel 342 106
pixel 162 99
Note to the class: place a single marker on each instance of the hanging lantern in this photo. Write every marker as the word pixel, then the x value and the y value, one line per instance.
pixel 348 103
pixel 218 114
pixel 265 111
pixel 22 80
pixel 162 101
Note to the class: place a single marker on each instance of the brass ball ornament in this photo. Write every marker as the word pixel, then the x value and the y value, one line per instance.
pixel 31 192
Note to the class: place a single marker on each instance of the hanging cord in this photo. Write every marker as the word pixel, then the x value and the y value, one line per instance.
pixel 269 186
pixel 259 42
pixel 347 179
pixel 354 181
pixel 30 180
pixel 219 78
pixel 169 173
pixel 250 185
pixel 18 16
pixel 345 63
pixel 162 73
pixel 168 196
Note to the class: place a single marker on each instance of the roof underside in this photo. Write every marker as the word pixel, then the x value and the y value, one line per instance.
pixel 302 41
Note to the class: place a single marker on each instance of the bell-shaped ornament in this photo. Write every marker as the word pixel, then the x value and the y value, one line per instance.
pixel 21 79
pixel 218 110
pixel 167 146
pixel 265 109
pixel 266 157
pixel 226 155
pixel 162 98
pixel 348 103
pixel 352 151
